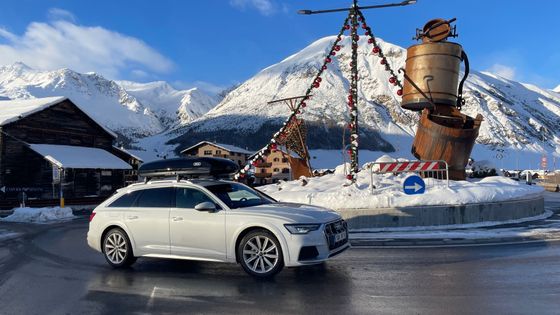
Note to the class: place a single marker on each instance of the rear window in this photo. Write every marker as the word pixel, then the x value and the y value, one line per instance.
pixel 156 198
pixel 125 200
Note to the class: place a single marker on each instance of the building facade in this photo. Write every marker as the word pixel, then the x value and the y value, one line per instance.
pixel 274 168
pixel 211 149
pixel 49 147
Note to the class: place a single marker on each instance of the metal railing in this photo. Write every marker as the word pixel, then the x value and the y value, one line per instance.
pixel 434 172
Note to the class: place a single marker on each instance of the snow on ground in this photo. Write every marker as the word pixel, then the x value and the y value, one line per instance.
pixel 329 191
pixel 39 215
pixel 5 235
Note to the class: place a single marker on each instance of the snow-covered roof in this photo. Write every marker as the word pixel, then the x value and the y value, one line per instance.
pixel 14 110
pixel 128 152
pixel 67 156
pixel 227 147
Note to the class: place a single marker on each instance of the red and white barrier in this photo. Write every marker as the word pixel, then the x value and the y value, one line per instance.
pixel 414 166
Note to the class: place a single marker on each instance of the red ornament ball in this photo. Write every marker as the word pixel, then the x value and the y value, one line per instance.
pixel 399 92
pixel 324 67
pixel 316 85
pixel 333 53
pixel 376 50
pixel 370 41
pixel 327 60
pixel 364 25
pixel 318 79
pixel 346 27
pixel 303 104
pixel 360 19
pixel 337 47
pixel 383 61
pixel 367 33
pixel 392 80
pixel 349 177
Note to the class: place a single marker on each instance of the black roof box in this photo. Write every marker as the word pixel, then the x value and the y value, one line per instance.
pixel 189 167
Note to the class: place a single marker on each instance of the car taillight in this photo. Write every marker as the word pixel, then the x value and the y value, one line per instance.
pixel 91 216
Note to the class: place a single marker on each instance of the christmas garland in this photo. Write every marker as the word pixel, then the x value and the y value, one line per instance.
pixel 355 16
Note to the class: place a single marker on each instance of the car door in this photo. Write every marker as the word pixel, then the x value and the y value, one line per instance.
pixel 193 233
pixel 148 220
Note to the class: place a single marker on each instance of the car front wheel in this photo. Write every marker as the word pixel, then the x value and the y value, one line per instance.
pixel 117 249
pixel 260 254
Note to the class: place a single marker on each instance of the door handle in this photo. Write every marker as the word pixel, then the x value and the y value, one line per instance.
pixel 132 217
pixel 175 219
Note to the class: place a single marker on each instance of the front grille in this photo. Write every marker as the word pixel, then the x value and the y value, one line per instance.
pixel 332 230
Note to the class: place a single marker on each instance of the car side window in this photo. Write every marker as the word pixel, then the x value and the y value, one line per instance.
pixel 125 200
pixel 156 198
pixel 189 198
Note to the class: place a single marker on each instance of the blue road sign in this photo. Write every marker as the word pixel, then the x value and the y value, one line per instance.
pixel 414 185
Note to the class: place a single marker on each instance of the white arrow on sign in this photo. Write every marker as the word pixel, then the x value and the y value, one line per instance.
pixel 3 189
pixel 416 187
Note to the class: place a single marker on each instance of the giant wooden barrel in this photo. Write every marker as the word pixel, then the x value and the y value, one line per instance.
pixel 446 138
pixel 434 68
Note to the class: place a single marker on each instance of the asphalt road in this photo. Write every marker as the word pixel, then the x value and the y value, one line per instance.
pixel 52 271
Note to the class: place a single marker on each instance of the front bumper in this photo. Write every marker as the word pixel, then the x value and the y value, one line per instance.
pixel 314 247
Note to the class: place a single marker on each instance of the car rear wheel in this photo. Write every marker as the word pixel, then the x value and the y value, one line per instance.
pixel 260 254
pixel 117 249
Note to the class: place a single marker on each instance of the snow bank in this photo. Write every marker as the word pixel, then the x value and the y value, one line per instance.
pixel 39 215
pixel 328 191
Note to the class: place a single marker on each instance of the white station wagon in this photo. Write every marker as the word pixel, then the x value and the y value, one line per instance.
pixel 213 220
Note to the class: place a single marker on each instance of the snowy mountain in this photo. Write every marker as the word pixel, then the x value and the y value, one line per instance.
pixel 133 110
pixel 171 106
pixel 103 99
pixel 514 113
pixel 557 89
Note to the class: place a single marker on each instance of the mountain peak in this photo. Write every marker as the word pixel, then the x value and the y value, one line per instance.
pixel 557 89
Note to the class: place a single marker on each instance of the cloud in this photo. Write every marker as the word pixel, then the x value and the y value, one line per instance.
pixel 265 7
pixel 61 43
pixel 503 71
pixel 60 14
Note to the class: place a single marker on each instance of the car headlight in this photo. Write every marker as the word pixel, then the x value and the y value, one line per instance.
pixel 301 228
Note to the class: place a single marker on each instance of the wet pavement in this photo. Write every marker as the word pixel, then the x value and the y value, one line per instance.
pixel 52 271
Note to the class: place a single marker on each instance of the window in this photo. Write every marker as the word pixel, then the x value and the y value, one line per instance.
pixel 285 170
pixel 238 196
pixel 276 170
pixel 276 159
pixel 218 152
pixel 125 200
pixel 284 160
pixel 156 198
pixel 207 152
pixel 189 198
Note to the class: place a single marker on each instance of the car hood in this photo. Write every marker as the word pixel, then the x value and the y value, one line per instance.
pixel 295 212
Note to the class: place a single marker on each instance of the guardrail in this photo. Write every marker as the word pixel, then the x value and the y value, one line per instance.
pixel 434 169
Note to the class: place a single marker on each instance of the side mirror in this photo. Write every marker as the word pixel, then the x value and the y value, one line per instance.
pixel 205 206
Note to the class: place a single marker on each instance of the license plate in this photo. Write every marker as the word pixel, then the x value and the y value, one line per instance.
pixel 339 237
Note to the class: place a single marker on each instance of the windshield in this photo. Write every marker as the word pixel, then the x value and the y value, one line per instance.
pixel 238 196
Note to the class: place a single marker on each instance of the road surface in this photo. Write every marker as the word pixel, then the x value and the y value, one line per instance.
pixel 52 271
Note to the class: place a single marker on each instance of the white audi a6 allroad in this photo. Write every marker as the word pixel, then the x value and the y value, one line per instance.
pixel 213 220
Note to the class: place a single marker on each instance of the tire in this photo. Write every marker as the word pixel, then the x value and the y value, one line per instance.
pixel 260 254
pixel 117 249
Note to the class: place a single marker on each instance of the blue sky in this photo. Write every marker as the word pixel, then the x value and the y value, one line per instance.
pixel 222 42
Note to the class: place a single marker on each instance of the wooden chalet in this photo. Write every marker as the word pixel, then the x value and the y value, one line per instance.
pixel 50 144
pixel 211 149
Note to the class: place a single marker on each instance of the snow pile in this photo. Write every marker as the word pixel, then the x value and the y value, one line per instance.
pixel 329 191
pixel 40 215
